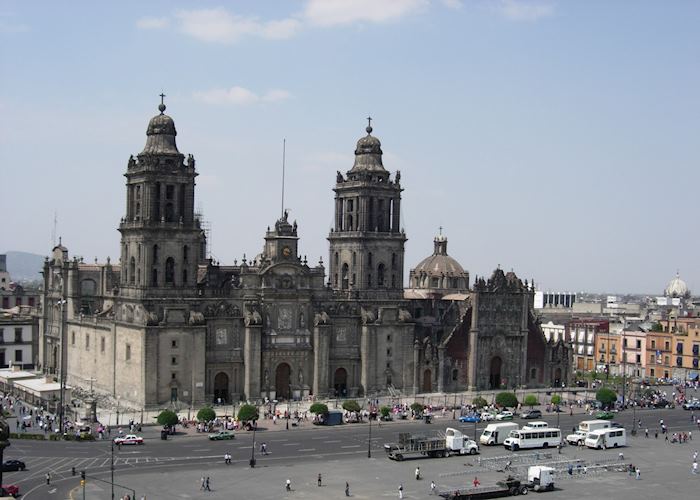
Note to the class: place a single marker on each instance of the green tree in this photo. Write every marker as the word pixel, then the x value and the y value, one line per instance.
pixel 206 414
pixel 657 327
pixel 479 402
pixel 167 417
pixel 351 405
pixel 506 399
pixel 531 400
pixel 318 409
pixel 385 411
pixel 417 408
pixel 606 396
pixel 556 399
pixel 247 413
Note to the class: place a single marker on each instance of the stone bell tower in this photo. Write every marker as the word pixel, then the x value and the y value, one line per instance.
pixel 367 242
pixel 162 242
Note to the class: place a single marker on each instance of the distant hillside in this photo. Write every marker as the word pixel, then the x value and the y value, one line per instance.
pixel 24 266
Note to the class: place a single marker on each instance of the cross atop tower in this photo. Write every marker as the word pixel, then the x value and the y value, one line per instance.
pixel 440 230
pixel 162 96
pixel 161 107
pixel 369 125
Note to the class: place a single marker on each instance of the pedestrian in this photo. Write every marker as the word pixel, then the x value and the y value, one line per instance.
pixel 646 432
pixel 621 457
pixel 656 434
pixel 202 482
pixel 400 490
pixel 695 467
pixel 690 435
pixel 206 485
pixel 417 473
pixel 263 448
pixel 288 485
pixel 347 489
pixel 319 480
pixel 433 488
pixel 476 482
pixel 48 479
pixel 638 473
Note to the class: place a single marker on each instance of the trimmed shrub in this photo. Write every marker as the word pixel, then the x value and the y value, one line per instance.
pixel 417 408
pixel 167 417
pixel 247 413
pixel 506 399
pixel 479 402
pixel 206 414
pixel 531 400
pixel 36 437
pixel 556 399
pixel 318 409
pixel 606 396
pixel 351 405
pixel 385 411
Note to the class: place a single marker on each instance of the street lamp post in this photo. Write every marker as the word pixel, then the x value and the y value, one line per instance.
pixel 252 449
pixel 369 439
pixel 62 378
pixel 112 467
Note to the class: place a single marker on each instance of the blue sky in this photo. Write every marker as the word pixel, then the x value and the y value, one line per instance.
pixel 556 138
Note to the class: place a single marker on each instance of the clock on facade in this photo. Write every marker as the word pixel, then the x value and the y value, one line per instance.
pixel 286 251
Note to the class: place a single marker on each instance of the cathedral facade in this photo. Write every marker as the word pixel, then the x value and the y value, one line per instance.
pixel 167 324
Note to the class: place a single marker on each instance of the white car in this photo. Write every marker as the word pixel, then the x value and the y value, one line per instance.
pixel 129 439
pixel 505 415
pixel 577 438
pixel 486 417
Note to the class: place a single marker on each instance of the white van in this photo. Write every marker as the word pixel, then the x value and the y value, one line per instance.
pixel 606 438
pixel 538 424
pixel 593 425
pixel 497 433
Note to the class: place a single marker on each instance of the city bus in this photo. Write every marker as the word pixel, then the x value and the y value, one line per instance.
pixel 532 438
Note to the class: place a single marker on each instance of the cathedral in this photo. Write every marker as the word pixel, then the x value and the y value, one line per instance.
pixel 167 324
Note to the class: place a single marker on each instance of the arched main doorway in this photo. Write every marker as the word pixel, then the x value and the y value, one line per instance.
pixel 495 373
pixel 340 382
pixel 427 381
pixel 282 380
pixel 221 388
pixel 557 377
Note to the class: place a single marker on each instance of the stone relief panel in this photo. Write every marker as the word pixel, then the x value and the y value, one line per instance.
pixel 284 318
pixel 221 337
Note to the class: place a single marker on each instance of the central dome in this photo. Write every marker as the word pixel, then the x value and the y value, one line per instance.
pixel 160 135
pixel 677 288
pixel 439 270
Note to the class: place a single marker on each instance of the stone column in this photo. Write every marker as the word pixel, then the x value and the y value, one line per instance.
pixel 365 358
pixel 321 353
pixel 441 369
pixel 251 360
pixel 416 366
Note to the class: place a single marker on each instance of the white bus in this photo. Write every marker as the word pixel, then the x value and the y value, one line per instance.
pixel 606 438
pixel 533 438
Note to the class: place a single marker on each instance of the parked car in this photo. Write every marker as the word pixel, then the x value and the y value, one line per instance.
pixel 531 414
pixel 616 425
pixel 691 405
pixel 604 415
pixel 486 416
pixel 9 490
pixel 129 439
pixel 506 415
pixel 471 417
pixel 221 435
pixel 13 465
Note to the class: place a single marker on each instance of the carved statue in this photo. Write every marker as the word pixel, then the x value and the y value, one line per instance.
pixel 398 176
pixel 285 215
pixel 266 378
pixel 196 318
pixel 321 318
pixel 302 320
pixel 404 316
pixel 132 162
pixel 368 316
pixel 294 227
pixel 339 177
pixel 301 377
pixel 190 161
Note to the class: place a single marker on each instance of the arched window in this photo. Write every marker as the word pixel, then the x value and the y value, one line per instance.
pixel 393 261
pixel 184 276
pixel 154 277
pixel 132 270
pixel 169 214
pixel 155 254
pixel 369 259
pixel 138 276
pixel 354 260
pixel 380 275
pixel 170 271
pixel 185 253
pixel 336 258
pixel 369 280
pixel 345 276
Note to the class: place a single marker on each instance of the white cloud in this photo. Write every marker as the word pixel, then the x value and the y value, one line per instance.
pixel 219 25
pixel 152 23
pixel 240 96
pixel 335 12
pixel 524 10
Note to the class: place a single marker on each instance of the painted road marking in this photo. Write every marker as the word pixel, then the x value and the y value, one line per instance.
pixel 308 449
pixel 351 446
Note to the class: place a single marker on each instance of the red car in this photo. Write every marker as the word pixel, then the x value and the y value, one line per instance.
pixel 11 490
pixel 129 439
